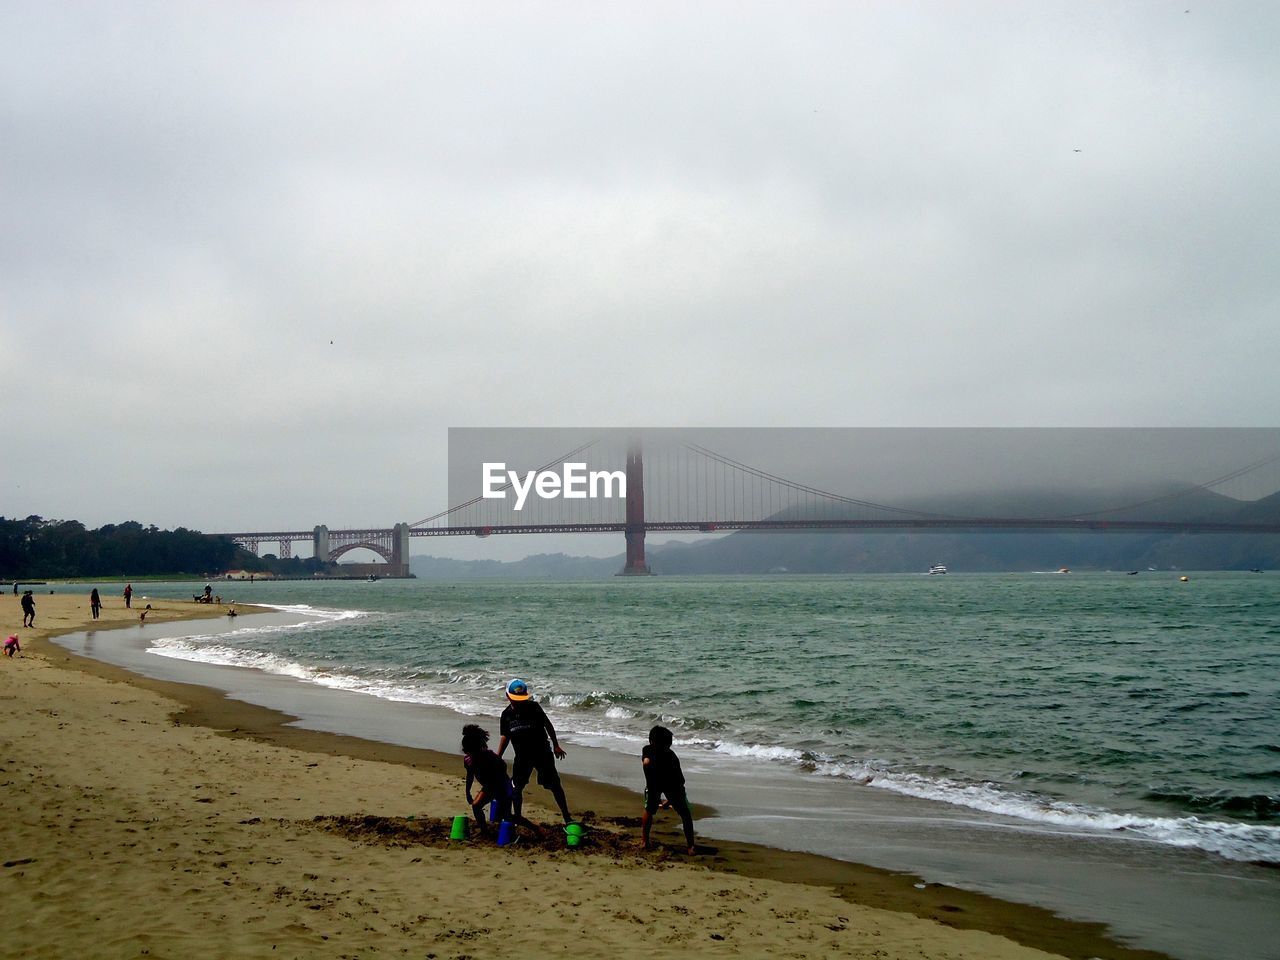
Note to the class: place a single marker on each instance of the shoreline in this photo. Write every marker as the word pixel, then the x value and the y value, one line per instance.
pixel 942 907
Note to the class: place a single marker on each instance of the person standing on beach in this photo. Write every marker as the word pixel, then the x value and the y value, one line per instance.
pixel 95 603
pixel 663 778
pixel 527 728
pixel 28 609
pixel 128 595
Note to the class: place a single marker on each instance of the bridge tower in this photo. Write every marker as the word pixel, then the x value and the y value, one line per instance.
pixel 400 550
pixel 635 566
pixel 320 543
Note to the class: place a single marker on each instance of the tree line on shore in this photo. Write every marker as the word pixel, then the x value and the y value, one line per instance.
pixel 58 549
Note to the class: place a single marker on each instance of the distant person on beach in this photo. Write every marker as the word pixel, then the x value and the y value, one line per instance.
pixel 485 767
pixel 663 778
pixel 95 602
pixel 527 728
pixel 11 646
pixel 28 609
pixel 128 595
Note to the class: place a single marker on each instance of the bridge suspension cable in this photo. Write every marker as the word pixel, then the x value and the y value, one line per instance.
pixel 1177 494
pixel 805 488
pixel 506 486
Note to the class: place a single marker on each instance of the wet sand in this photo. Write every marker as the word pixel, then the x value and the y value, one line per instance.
pixel 150 816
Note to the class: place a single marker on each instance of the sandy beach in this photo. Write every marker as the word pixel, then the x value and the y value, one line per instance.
pixel 145 818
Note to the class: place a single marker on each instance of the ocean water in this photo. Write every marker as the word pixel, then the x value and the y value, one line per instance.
pixel 1135 705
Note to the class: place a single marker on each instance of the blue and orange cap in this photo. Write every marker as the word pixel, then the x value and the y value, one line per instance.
pixel 517 690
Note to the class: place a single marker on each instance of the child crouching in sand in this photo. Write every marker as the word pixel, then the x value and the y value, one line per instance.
pixel 663 777
pixel 490 771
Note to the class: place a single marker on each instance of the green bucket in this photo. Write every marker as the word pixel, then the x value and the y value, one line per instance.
pixel 573 834
pixel 459 831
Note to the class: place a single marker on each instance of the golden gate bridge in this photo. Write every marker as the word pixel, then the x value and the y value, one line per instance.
pixel 693 489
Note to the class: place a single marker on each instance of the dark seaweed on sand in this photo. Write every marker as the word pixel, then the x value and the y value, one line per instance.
pixel 434 832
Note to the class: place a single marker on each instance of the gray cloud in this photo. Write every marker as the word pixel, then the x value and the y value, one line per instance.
pixel 259 258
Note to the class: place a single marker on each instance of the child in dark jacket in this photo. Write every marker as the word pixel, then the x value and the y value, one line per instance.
pixel 490 771
pixel 663 777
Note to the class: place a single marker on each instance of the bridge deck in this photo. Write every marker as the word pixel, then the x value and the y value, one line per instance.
pixel 967 524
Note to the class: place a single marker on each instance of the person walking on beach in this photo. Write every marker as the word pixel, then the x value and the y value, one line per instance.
pixel 95 603
pixel 28 609
pixel 485 767
pixel 525 725
pixel 128 595
pixel 663 778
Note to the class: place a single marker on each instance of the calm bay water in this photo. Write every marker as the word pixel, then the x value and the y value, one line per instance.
pixel 1137 704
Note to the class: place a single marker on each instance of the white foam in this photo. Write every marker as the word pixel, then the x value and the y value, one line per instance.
pixel 729 750
pixel 758 751
pixel 468 694
pixel 1234 841
pixel 320 613
pixel 193 649
pixel 319 617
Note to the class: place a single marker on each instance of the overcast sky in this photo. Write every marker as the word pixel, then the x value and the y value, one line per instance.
pixel 257 258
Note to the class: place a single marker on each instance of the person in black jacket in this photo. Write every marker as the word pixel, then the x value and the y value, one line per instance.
pixel 527 728
pixel 663 778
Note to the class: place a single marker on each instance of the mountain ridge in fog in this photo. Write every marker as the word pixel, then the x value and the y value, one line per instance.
pixel 752 552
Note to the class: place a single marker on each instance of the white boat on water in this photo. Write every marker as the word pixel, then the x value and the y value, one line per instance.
pixel 937 568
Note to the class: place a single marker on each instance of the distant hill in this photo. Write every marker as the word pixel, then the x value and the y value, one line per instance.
pixel 1266 510
pixel 1151 502
pixel 907 551
pixel 749 552
pixel 895 552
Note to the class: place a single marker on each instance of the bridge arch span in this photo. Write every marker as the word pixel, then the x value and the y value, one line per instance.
pixel 381 551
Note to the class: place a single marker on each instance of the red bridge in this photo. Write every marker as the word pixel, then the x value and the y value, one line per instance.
pixel 701 491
